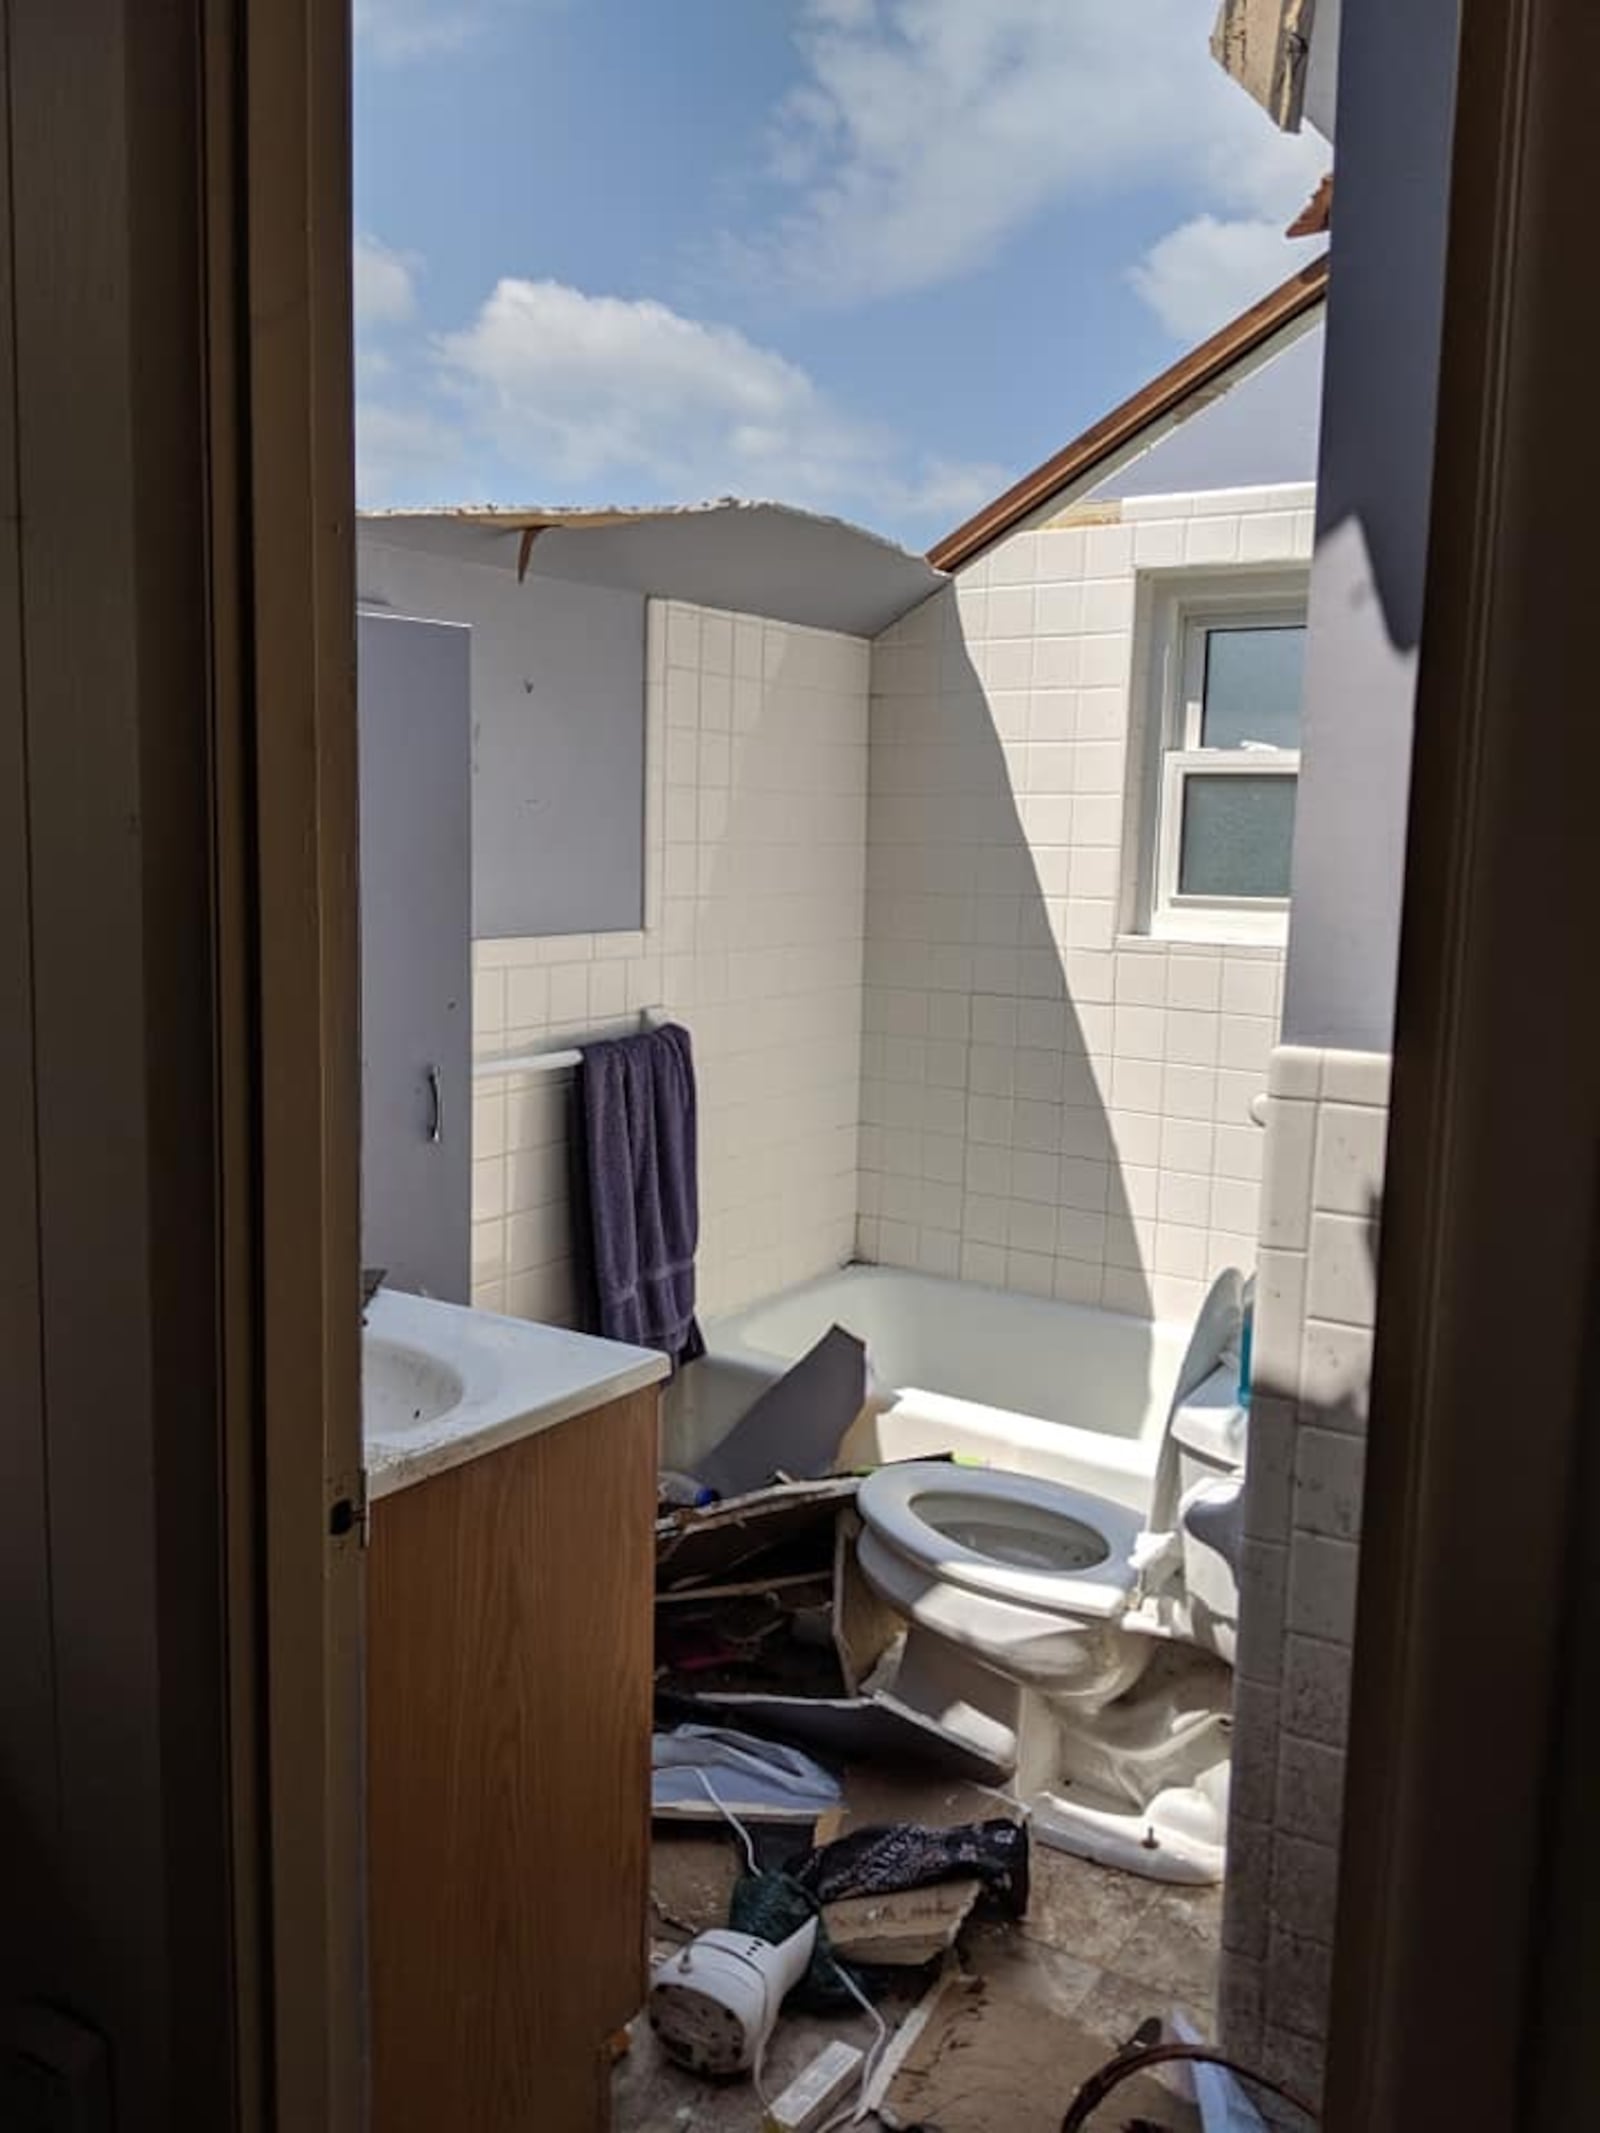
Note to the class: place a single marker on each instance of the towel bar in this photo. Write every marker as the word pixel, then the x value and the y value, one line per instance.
pixel 555 1062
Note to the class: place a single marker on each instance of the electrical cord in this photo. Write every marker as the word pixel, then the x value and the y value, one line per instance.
pixel 869 2070
pixel 729 1817
pixel 870 2065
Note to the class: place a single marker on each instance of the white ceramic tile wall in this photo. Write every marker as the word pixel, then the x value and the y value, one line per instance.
pixel 755 883
pixel 1326 1131
pixel 1047 1104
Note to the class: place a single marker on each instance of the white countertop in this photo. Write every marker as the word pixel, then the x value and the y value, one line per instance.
pixel 442 1384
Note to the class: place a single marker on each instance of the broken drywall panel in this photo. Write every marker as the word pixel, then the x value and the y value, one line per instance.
pixel 864 1626
pixel 849 1729
pixel 903 1930
pixel 702 1546
pixel 797 1425
pixel 752 558
pixel 691 1813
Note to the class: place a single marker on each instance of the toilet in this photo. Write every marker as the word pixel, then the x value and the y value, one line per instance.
pixel 1084 1648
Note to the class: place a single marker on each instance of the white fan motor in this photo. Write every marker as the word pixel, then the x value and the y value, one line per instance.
pixel 713 2004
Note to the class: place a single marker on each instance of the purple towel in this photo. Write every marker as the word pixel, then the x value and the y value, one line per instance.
pixel 635 1168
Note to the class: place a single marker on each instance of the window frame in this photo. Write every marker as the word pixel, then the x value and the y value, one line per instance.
pixel 1187 613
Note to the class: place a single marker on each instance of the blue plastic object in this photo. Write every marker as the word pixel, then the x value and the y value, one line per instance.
pixel 1246 1342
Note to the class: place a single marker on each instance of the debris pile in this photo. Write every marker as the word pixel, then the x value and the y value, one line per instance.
pixel 764 1622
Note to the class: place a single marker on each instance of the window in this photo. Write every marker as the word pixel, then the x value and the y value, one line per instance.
pixel 1229 672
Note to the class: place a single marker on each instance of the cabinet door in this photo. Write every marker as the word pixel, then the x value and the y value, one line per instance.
pixel 416 953
pixel 509 1689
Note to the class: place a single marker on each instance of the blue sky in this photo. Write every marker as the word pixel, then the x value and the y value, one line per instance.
pixel 868 256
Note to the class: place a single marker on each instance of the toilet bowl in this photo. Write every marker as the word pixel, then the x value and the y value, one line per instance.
pixel 1027 1576
pixel 1083 1647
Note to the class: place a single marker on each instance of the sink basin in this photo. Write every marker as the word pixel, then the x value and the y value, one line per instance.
pixel 403 1389
pixel 441 1384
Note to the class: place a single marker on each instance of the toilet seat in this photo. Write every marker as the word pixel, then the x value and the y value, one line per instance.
pixel 910 1506
pixel 1082 1648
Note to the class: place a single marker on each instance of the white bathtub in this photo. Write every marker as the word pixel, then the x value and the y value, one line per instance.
pixel 1054 1389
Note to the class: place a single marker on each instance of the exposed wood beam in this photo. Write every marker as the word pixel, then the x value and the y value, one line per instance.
pixel 1315 219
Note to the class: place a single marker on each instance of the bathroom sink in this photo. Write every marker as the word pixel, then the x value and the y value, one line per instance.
pixel 441 1383
pixel 403 1389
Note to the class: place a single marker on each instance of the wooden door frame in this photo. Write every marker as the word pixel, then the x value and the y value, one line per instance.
pixel 279 331
pixel 1495 1033
pixel 180 1712
pixel 1483 1378
pixel 1481 1337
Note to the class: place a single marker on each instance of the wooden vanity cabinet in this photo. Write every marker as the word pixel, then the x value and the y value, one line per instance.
pixel 508 1707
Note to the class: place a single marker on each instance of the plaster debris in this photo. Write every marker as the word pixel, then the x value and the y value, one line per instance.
pixel 904 1930
pixel 982 2062
pixel 1092 1958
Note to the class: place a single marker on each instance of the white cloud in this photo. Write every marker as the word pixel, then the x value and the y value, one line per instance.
pixel 589 385
pixel 1205 272
pixel 400 30
pixel 926 132
pixel 945 491
pixel 580 393
pixel 385 284
pixel 406 454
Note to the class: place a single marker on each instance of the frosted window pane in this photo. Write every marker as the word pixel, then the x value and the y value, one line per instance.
pixel 1238 833
pixel 1252 687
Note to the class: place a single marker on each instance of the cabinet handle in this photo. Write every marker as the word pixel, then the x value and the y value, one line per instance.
pixel 435 1105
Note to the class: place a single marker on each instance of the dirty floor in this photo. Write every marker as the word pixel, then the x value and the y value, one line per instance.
pixel 1097 1952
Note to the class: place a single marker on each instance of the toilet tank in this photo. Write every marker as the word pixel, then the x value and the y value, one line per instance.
pixel 1209 1431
